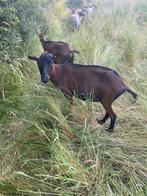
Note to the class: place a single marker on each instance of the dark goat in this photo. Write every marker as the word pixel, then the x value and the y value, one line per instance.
pixel 61 50
pixel 90 10
pixel 104 84
pixel 75 19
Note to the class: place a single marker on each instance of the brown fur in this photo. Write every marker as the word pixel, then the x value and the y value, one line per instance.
pixel 61 50
pixel 85 81
pixel 104 85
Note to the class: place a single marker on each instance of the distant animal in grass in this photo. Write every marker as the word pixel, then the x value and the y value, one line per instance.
pixel 104 84
pixel 75 19
pixel 61 50
pixel 90 9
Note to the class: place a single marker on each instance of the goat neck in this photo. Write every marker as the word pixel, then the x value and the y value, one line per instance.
pixel 55 72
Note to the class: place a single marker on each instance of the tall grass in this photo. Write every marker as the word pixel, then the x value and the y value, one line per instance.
pixel 48 147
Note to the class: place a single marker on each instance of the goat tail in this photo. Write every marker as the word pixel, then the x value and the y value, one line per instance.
pixel 132 93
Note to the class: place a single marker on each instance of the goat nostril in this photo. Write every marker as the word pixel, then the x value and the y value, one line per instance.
pixel 45 79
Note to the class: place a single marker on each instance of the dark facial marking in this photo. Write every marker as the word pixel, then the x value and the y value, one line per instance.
pixel 44 65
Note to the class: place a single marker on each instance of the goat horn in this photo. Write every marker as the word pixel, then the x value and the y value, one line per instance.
pixel 45 31
pixel 36 31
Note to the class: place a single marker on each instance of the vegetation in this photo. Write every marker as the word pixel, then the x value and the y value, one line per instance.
pixel 74 4
pixel 38 154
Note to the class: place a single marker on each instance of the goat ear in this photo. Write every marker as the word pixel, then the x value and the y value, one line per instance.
pixel 51 55
pixel 34 58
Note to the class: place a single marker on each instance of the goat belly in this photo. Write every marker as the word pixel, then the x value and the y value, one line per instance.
pixel 91 95
pixel 92 82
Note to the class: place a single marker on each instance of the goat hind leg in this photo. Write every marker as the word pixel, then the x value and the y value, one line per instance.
pixel 113 119
pixel 109 110
pixel 102 121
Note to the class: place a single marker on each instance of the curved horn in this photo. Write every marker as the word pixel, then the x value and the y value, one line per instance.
pixel 45 31
pixel 37 32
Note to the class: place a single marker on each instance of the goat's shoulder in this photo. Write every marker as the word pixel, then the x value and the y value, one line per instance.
pixel 56 42
pixel 97 68
pixel 84 66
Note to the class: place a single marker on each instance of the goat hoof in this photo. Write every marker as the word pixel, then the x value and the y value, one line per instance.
pixel 110 130
pixel 99 121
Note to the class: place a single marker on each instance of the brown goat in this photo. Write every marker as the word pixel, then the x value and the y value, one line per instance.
pixel 61 50
pixel 104 84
